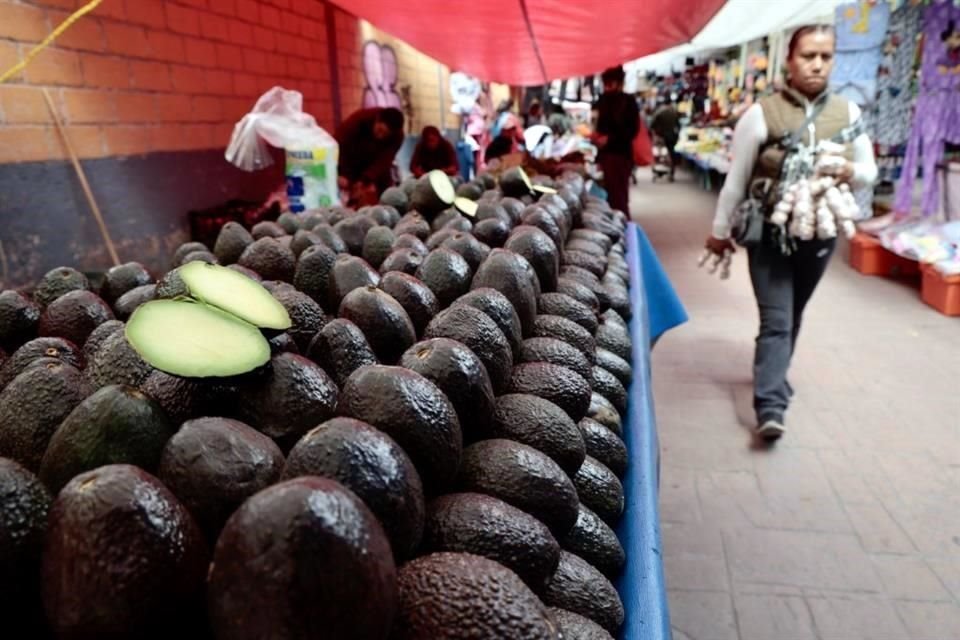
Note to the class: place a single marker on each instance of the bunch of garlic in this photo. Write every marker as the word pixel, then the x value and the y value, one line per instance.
pixel 818 207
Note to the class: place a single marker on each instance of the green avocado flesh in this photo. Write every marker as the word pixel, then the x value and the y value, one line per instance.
pixel 234 293
pixel 466 206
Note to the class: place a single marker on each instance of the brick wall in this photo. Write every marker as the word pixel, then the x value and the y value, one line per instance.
pixel 137 76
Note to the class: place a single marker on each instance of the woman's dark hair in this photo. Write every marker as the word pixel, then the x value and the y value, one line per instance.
pixel 430 129
pixel 613 74
pixel 392 117
pixel 805 30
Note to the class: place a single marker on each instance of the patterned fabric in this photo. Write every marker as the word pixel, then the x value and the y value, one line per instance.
pixel 861 29
pixel 895 93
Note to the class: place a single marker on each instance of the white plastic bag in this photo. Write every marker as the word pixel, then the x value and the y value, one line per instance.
pixel 278 119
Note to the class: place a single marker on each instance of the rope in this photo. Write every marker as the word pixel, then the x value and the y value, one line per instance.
pixel 79 13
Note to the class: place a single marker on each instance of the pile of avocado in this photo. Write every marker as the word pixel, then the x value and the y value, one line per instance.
pixel 400 422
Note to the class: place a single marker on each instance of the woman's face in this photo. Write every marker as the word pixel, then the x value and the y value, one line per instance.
pixel 811 63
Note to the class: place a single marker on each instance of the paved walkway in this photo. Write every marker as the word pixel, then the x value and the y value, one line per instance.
pixel 850 528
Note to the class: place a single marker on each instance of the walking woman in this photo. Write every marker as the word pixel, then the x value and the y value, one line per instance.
pixel 801 115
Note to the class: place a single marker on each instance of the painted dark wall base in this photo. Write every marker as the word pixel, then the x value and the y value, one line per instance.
pixel 45 221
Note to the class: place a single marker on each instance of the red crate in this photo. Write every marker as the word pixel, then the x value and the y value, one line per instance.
pixel 940 291
pixel 870 258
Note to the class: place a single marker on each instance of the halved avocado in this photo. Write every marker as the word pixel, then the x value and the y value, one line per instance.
pixel 195 340
pixel 466 206
pixel 235 293
pixel 543 189
pixel 515 184
pixel 434 193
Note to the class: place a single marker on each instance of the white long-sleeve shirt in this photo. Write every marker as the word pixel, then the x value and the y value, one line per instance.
pixel 749 135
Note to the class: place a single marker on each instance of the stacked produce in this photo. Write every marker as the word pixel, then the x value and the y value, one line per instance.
pixel 400 422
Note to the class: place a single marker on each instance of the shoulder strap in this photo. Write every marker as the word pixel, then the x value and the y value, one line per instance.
pixel 791 141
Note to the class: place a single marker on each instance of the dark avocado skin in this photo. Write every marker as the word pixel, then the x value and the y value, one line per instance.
pixel 559 385
pixel 451 596
pixel 540 424
pixel 607 385
pixel 353 230
pixel 267 229
pixel 273 564
pixel 578 587
pixel 33 405
pixel 213 464
pixel 568 331
pixel 594 237
pixel 170 286
pixel 24 504
pixel 74 316
pixel 586 246
pixel 200 256
pixel 231 241
pixel 289 222
pixel 122 278
pixel 507 272
pixel 184 250
pixel 594 541
pixel 414 412
pixel 306 316
pixel 302 240
pixel 523 477
pixel 618 299
pixel 126 304
pixel 613 318
pixel 384 215
pixel 541 219
pixel 268 257
pixel 58 348
pixel 293 396
pixel 600 490
pixel 446 273
pixel 410 241
pixel 485 526
pixel 373 466
pixel 182 398
pixel 615 365
pixel 461 376
pixel 579 292
pixel 539 250
pixel 492 232
pixel 122 558
pixel 115 425
pixel 481 335
pixel 498 307
pixel 414 296
pixel 312 275
pixel 604 413
pixel 18 320
pixel 395 197
pixel 404 260
pixel 615 340
pixel 604 445
pixel 555 351
pixel 558 304
pixel 471 249
pixel 349 273
pixel 383 320
pixel 414 224
pixel 340 348
pixel 330 238
pixel 57 282
pixel 576 627
pixel 116 362
pixel 377 245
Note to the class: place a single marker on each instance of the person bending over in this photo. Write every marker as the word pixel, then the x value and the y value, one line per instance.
pixel 433 151
pixel 369 140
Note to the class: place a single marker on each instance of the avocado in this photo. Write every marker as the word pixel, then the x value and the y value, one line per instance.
pixel 594 264
pixel 498 308
pixel 613 338
pixel 523 477
pixel 231 241
pixel 442 219
pixel 493 211
pixel 493 232
pixel 514 209
pixel 250 273
pixel 377 245
pixel 514 183
pixel 461 376
pixel 122 558
pixel 586 246
pixel 414 224
pixel 568 331
pixel 552 382
pixel 283 343
pixel 600 490
pixel 268 257
pixel 302 240
pixel 267 229
pixel 615 365
pixel 182 399
pixel 74 316
pixel 290 222
pixel 540 424
pixel 558 304
pixel 33 405
pixel 349 273
pixel 292 396
pixel 433 193
pixel 98 336
pixel 396 198
pixel 57 282
pixel 115 425
pixel 601 223
pixel 555 351
pixel 213 464
pixel 603 412
pixel 508 273
pixel 414 296
pixel 330 238
pixel 353 229
pixel 410 241
pixel 607 385
pixel 272 567
pixel 19 317
pixel 171 286
pixel 385 215
pixel 126 304
pixel 447 274
pixel 616 298
pixel 451 596
pixel 184 250
pixel 538 218
pixel 122 278
pixel 340 348
pixel 471 249
pixel 200 256
pixel 594 541
pixel 613 318
pixel 402 260
pixel 24 504
pixel 481 335
pixel 578 587
pixel 37 348
pixel 116 362
pixel 573 625
pixel 383 321
pixel 312 275
pixel 459 222
pixel 470 190
pixel 486 526
pixel 594 237
pixel 370 464
pixel 604 445
pixel 539 250
pixel 306 315
pixel 414 412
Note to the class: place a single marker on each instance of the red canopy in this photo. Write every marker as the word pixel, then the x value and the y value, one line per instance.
pixel 530 42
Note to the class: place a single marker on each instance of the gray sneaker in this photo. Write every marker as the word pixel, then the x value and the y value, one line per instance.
pixel 771 430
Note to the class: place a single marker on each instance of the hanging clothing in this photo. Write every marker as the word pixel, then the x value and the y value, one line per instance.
pixel 861 28
pixel 892 110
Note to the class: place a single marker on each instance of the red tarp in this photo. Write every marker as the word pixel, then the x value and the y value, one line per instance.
pixel 530 42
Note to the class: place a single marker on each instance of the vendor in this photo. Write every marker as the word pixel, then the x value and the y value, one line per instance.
pixel 618 121
pixel 507 141
pixel 666 124
pixel 369 140
pixel 784 282
pixel 433 151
